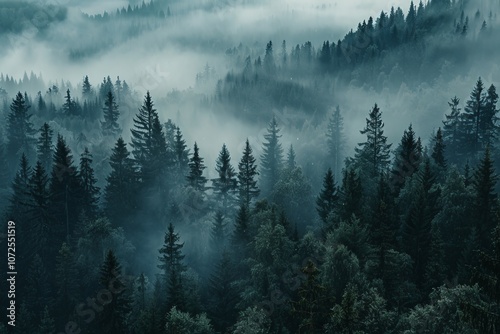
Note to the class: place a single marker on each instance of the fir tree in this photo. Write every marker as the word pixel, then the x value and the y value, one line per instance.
pixel 241 235
pixel 66 275
pixel 485 203
pixel 217 233
pixel 45 148
pixel 291 163
pixel 453 130
pixel 172 266
pixel 20 130
pixel 20 189
pixel 439 149
pixel 373 155
pixel 181 155
pixel 90 192
pixel 475 120
pixel 113 318
pixel 407 159
pixel 121 185
pixel 225 185
pixel 87 91
pixel 490 119
pixel 196 167
pixel 327 200
pixel 271 159
pixel 247 183
pixel 336 141
pixel 350 195
pixel 111 114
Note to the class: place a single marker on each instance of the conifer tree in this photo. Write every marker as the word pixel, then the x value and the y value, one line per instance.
pixel 20 129
pixel 47 323
pixel 247 183
pixel 111 114
pixel 490 119
pixel 439 149
pixel 225 185
pixel 217 233
pixel 475 120
pixel 122 184
pixel 350 195
pixel 336 141
pixel 148 143
pixel 196 167
pixel 45 148
pixel 172 266
pixel 241 234
pixel 485 202
pixel 19 200
pixel 113 318
pixel 181 155
pixel 327 200
pixel 291 163
pixel 453 130
pixel 65 191
pixel 90 192
pixel 407 159
pixel 373 154
pixel 271 159
pixel 87 91
pixel 66 275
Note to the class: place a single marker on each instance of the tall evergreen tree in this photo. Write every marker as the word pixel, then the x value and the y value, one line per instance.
pixel 485 203
pixel 218 233
pixel 20 130
pixel 196 167
pixel 336 141
pixel 87 91
pixel 373 154
pixel 172 266
pixel 20 189
pixel 45 148
pixel 65 191
pixel 113 318
pixel 241 235
pixel 438 149
pixel 90 192
pixel 490 128
pixel 453 131
pixel 327 200
pixel 225 185
pixel 271 159
pixel 291 163
pixel 246 176
pixel 181 155
pixel 407 159
pixel 148 143
pixel 66 275
pixel 122 183
pixel 111 114
pixel 350 195
pixel 475 120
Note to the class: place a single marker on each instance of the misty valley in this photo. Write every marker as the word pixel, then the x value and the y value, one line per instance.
pixel 250 166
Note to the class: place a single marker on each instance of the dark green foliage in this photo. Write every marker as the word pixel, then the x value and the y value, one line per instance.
pixel 196 167
pixel 247 172
pixel 271 159
pixel 45 148
pixel 326 202
pixel 172 267
pixel 66 276
pixel 218 234
pixel 20 130
pixel 438 150
pixel 122 183
pixel 485 197
pixel 90 192
pixel 225 185
pixel 111 114
pixel 113 318
pixel 453 131
pixel 241 234
pixel 372 156
pixel 181 155
pixel 350 195
pixel 224 295
pixel 407 159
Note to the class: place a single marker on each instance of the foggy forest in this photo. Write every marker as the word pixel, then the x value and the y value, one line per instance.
pixel 249 166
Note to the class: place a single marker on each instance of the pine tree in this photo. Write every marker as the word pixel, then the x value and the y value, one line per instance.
pixel 224 296
pixel 241 235
pixel 336 141
pixel 38 211
pixel 87 91
pixel 122 184
pixel 196 167
pixel 181 155
pixel 291 163
pixel 269 64
pixel 407 159
pixel 45 148
pixel 225 185
pixel 20 189
pixel 435 269
pixel 247 183
pixel 20 130
pixel 485 203
pixel 111 114
pixel 69 105
pixel 475 120
pixel 113 318
pixel 217 233
pixel 439 149
pixel 327 200
pixel 453 131
pixel 350 195
pixel 90 192
pixel 489 128
pixel 171 264
pixel 148 143
pixel 65 191
pixel 271 159
pixel 373 155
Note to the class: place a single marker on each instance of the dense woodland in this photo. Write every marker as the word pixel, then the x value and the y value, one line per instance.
pixel 120 229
